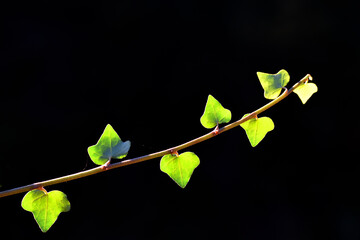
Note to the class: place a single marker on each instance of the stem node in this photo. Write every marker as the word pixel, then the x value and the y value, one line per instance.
pixel 174 152
pixel 106 165
pixel 41 188
pixel 216 130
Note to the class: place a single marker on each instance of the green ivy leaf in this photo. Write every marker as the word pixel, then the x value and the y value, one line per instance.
pixel 180 167
pixel 257 128
pixel 273 83
pixel 214 113
pixel 109 146
pixel 305 91
pixel 45 207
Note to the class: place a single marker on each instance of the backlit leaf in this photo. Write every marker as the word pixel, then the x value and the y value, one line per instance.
pixel 257 128
pixel 273 83
pixel 45 207
pixel 305 91
pixel 109 146
pixel 180 168
pixel 214 113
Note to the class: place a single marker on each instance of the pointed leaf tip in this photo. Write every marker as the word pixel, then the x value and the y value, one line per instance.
pixel 256 129
pixel 109 146
pixel 180 168
pixel 273 83
pixel 214 113
pixel 45 207
pixel 305 91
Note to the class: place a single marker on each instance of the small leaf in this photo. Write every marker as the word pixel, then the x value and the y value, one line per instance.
pixel 45 207
pixel 109 146
pixel 180 168
pixel 273 83
pixel 257 128
pixel 214 113
pixel 305 91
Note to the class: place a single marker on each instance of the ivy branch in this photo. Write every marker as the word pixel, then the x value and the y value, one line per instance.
pixel 178 167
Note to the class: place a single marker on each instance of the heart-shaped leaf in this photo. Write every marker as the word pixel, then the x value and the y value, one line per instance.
pixel 45 207
pixel 273 83
pixel 109 146
pixel 257 128
pixel 214 113
pixel 180 167
pixel 305 91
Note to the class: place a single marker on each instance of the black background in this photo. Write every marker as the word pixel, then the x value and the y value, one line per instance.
pixel 68 68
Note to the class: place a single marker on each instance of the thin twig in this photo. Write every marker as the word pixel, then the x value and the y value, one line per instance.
pixel 153 155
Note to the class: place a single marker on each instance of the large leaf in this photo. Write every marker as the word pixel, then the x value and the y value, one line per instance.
pixel 305 91
pixel 273 83
pixel 257 128
pixel 180 167
pixel 109 146
pixel 45 207
pixel 214 113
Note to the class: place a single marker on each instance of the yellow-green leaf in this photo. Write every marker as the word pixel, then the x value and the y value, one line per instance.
pixel 214 113
pixel 45 206
pixel 257 128
pixel 305 91
pixel 273 83
pixel 180 167
pixel 109 146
